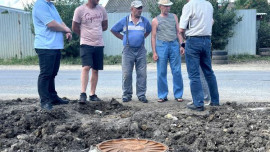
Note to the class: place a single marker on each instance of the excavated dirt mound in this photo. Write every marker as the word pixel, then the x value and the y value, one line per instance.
pixel 74 127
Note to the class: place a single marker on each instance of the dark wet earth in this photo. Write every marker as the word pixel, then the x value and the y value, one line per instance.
pixel 229 128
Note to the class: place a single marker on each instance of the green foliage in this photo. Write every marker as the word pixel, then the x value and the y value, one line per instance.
pixel 264 35
pixel 30 60
pixel 225 19
pixel 244 58
pixel 262 6
pixel 111 60
pixel 66 10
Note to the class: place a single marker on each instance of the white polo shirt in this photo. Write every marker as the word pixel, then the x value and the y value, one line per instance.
pixel 197 18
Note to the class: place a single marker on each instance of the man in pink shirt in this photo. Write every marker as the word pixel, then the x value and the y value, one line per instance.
pixel 89 21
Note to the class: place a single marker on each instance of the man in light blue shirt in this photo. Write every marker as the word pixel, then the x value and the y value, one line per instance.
pixel 49 40
pixel 135 29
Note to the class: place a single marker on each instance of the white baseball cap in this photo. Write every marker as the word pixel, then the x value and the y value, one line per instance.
pixel 136 4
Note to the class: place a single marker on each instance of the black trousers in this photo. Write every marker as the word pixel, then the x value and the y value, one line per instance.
pixel 49 63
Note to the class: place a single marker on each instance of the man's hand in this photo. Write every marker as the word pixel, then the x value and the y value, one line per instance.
pixel 69 36
pixel 182 50
pixel 155 56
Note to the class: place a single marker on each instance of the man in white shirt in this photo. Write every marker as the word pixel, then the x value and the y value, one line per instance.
pixel 196 25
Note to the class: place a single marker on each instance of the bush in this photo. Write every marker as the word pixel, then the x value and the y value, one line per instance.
pixel 225 19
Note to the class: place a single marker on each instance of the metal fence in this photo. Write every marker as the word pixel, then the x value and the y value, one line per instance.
pixel 16 38
pixel 244 38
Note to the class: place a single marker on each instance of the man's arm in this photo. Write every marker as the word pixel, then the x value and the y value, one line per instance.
pixel 104 25
pixel 117 34
pixel 76 28
pixel 146 34
pixel 153 38
pixel 180 38
pixel 53 25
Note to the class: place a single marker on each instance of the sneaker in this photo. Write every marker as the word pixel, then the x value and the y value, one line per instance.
pixel 94 98
pixel 190 103
pixel 46 105
pixel 206 103
pixel 126 99
pixel 59 101
pixel 83 98
pixel 193 107
pixel 143 99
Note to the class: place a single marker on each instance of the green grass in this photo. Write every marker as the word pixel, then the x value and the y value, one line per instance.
pixel 247 58
pixel 112 60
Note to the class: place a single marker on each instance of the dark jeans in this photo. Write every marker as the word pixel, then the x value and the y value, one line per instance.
pixel 49 63
pixel 198 53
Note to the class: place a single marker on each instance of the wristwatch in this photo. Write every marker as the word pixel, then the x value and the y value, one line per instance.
pixel 183 44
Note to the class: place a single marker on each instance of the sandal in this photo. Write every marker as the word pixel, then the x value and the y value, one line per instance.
pixel 179 99
pixel 162 100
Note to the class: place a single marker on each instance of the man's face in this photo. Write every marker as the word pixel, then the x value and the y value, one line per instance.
pixel 94 2
pixel 165 9
pixel 136 11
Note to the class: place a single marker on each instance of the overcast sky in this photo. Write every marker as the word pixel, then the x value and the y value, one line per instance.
pixel 20 3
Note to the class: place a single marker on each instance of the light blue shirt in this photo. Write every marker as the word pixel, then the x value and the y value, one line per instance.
pixel 43 13
pixel 135 32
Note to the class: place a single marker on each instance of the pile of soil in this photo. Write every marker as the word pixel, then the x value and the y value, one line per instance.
pixel 74 127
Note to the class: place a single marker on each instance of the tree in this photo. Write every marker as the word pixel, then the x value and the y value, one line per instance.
pixel 224 18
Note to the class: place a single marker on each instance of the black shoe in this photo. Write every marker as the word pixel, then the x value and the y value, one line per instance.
pixel 214 104
pixel 193 107
pixel 143 99
pixel 94 98
pixel 59 101
pixel 83 98
pixel 46 105
pixel 126 99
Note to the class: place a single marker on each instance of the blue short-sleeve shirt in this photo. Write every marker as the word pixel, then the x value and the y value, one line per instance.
pixel 135 32
pixel 43 13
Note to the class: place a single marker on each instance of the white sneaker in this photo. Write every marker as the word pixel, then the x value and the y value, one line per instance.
pixel 206 103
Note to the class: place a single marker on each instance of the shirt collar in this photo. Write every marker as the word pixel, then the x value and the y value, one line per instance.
pixel 130 19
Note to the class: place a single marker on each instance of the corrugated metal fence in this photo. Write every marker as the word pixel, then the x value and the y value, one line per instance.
pixel 244 38
pixel 16 39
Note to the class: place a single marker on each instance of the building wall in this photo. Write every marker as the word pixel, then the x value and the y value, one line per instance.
pixel 16 38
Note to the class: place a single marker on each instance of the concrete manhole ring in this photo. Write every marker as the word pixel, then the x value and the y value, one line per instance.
pixel 131 145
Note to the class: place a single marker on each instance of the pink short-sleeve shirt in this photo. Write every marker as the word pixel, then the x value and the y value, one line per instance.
pixel 90 21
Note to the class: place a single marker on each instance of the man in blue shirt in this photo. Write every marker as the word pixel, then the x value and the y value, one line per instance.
pixel 49 40
pixel 135 29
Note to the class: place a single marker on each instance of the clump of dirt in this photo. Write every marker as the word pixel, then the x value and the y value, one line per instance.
pixel 74 127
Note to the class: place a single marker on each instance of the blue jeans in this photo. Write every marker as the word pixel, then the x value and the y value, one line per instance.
pixel 169 51
pixel 134 56
pixel 49 63
pixel 198 53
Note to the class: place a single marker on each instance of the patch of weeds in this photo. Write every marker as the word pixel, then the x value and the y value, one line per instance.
pixel 247 58
pixel 112 59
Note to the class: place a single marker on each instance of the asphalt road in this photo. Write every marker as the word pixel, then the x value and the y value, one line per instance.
pixel 240 83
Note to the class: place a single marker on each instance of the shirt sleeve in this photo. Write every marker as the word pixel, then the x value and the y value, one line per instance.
pixel 184 19
pixel 148 27
pixel 77 15
pixel 43 14
pixel 105 15
pixel 118 27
